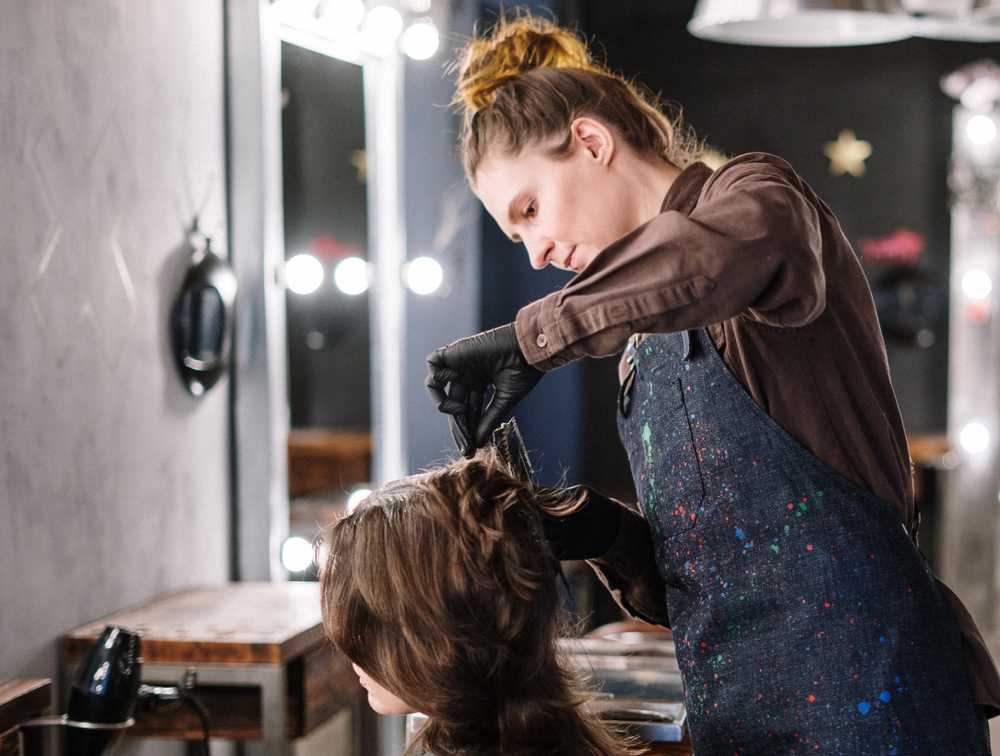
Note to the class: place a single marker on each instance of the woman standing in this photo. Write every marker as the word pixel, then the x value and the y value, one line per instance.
pixel 763 434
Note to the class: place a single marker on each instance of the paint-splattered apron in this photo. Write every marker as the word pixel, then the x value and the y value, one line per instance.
pixel 805 618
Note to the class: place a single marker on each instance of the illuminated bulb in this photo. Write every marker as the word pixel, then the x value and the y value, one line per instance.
pixel 304 274
pixel 974 437
pixel 384 24
pixel 342 15
pixel 981 129
pixel 357 496
pixel 351 275
pixel 423 275
pixel 420 40
pixel 976 284
pixel 298 11
pixel 296 554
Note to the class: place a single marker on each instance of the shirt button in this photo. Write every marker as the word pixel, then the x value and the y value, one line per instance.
pixel 542 340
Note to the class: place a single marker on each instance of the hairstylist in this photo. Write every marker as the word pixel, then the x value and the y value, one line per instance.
pixel 766 445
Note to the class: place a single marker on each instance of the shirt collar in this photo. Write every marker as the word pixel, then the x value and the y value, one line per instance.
pixel 686 188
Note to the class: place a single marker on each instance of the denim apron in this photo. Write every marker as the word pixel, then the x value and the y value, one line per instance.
pixel 805 618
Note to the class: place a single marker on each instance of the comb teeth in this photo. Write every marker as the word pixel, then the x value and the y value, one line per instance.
pixel 508 441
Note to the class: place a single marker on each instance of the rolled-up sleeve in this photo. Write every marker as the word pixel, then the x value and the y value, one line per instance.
pixel 751 247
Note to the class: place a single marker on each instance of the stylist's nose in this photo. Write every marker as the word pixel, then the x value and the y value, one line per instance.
pixel 539 252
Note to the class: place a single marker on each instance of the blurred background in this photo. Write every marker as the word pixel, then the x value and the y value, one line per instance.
pixel 156 437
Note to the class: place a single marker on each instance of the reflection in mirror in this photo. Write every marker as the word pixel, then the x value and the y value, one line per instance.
pixel 327 272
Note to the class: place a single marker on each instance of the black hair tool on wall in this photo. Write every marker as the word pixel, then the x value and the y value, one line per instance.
pixel 105 692
pixel 201 319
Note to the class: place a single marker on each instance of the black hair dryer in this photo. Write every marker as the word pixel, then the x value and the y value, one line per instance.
pixel 103 694
pixel 201 319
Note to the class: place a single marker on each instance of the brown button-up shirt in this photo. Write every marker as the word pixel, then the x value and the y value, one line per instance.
pixel 753 254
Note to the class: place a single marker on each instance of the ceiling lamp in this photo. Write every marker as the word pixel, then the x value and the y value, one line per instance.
pixel 801 23
pixel 965 20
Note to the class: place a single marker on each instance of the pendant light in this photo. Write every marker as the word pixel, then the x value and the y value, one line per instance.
pixel 835 23
pixel 801 23
pixel 963 20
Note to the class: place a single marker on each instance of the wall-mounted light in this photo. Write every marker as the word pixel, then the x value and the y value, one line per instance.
pixel 347 25
pixel 296 554
pixel 974 437
pixel 299 11
pixel 420 40
pixel 976 284
pixel 337 16
pixel 351 276
pixel 423 275
pixel 382 27
pixel 303 274
pixel 981 129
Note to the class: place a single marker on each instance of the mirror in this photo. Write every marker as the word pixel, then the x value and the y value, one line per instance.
pixel 344 243
pixel 327 301
pixel 327 270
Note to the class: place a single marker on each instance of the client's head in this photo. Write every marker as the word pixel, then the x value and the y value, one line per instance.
pixel 440 589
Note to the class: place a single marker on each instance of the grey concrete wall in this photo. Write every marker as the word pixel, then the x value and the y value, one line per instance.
pixel 113 481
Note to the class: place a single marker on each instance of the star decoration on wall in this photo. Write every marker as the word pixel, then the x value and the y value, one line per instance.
pixel 359 159
pixel 847 154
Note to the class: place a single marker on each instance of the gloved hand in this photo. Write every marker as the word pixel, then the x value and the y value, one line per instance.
pixel 588 532
pixel 470 366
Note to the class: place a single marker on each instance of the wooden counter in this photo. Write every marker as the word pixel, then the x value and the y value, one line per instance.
pixel 22 699
pixel 265 671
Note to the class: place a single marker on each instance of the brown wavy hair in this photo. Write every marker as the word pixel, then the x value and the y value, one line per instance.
pixel 527 79
pixel 442 588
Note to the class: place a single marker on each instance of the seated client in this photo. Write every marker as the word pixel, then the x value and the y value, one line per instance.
pixel 440 589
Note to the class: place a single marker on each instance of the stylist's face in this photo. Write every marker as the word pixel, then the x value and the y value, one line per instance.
pixel 564 211
pixel 380 699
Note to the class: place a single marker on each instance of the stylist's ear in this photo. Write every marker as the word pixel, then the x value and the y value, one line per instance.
pixel 594 137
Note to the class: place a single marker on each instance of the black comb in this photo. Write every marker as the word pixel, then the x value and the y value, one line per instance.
pixel 507 439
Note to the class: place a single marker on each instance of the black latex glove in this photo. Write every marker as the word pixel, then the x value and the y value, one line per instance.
pixel 468 367
pixel 587 533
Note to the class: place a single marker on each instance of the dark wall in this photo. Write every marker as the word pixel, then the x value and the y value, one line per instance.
pixel 552 418
pixel 791 101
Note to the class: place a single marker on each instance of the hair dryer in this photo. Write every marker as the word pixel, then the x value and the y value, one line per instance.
pixel 104 693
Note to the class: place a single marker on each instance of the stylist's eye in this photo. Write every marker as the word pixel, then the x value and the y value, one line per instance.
pixel 529 211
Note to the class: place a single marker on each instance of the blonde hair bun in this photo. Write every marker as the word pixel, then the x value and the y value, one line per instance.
pixel 514 46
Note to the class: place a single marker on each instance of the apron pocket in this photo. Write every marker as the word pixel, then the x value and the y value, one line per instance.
pixel 664 461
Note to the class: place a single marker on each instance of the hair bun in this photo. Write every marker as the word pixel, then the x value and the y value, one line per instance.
pixel 512 47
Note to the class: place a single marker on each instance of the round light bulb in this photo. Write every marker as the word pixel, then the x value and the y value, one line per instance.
pixel 342 15
pixel 351 275
pixel 974 437
pixel 303 274
pixel 421 39
pixel 423 275
pixel 981 129
pixel 357 496
pixel 296 554
pixel 384 24
pixel 976 284
pixel 298 11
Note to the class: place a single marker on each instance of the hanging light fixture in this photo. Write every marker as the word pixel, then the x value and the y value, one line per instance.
pixel 801 23
pixel 835 23
pixel 964 20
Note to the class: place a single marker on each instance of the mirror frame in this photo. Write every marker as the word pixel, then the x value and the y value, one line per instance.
pixel 258 383
pixel 383 97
